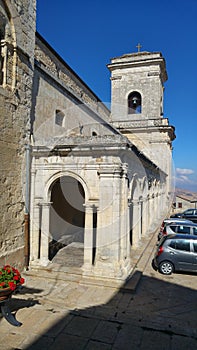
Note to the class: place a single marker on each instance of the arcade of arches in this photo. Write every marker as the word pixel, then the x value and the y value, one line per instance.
pixel 91 218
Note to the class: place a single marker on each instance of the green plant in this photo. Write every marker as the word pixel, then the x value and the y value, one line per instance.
pixel 10 277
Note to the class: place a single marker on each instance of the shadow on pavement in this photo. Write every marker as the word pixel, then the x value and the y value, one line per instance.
pixel 160 314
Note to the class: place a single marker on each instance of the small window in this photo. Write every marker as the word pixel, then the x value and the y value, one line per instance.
pixel 173 228
pixel 183 229
pixel 180 205
pixel 183 245
pixel 172 244
pixel 188 212
pixel 59 117
pixel 195 247
pixel 194 230
pixel 134 103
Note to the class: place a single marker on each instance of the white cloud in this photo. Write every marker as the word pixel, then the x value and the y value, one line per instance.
pixel 184 171
pixel 185 178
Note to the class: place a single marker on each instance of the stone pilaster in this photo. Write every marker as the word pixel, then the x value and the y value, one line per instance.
pixel 44 242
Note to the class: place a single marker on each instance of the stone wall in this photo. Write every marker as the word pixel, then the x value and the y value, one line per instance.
pixel 50 62
pixel 15 108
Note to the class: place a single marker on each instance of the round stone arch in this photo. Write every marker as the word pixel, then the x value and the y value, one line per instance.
pixel 135 190
pixel 67 194
pixel 15 24
pixel 144 187
pixel 134 102
pixel 57 175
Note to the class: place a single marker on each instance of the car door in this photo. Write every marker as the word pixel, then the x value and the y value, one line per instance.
pixel 184 255
pixel 194 248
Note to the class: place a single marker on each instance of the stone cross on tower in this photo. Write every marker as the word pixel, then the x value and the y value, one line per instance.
pixel 138 47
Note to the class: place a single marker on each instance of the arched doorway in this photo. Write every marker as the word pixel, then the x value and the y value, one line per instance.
pixel 67 219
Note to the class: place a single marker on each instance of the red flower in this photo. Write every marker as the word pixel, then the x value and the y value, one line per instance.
pixel 22 280
pixel 12 285
pixel 16 278
pixel 10 277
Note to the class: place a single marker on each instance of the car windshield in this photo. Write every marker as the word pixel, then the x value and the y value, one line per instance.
pixel 188 212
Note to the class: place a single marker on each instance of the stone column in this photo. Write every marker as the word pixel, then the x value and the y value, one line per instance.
pixel 35 230
pixel 4 57
pixel 148 212
pixel 129 227
pixel 90 209
pixel 141 208
pixel 144 217
pixel 108 250
pixel 33 210
pixel 44 244
pixel 109 215
pixel 124 215
pixel 105 213
pixel 135 223
pixel 151 210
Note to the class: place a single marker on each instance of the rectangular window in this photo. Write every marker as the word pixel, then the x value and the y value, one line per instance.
pixel 183 245
pixel 195 247
pixel 194 230
pixel 183 229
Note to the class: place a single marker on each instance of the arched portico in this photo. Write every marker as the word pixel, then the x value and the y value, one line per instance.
pixel 67 214
pixel 60 217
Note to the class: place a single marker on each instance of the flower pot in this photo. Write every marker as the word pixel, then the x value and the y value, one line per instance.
pixel 5 293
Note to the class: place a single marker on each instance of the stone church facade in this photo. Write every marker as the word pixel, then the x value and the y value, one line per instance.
pixel 75 174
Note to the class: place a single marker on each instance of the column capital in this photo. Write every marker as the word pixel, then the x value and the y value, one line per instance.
pixel 45 204
pixel 91 204
pixel 110 170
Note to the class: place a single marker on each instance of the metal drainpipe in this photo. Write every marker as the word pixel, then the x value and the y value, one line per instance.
pixel 27 201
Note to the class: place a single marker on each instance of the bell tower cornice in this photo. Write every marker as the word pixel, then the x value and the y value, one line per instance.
pixel 137 59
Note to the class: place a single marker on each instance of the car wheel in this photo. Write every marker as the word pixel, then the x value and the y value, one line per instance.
pixel 166 268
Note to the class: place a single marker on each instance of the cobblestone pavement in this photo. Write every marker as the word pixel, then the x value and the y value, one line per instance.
pixel 159 313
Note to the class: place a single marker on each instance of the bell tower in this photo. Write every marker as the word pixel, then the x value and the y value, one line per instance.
pixel 137 88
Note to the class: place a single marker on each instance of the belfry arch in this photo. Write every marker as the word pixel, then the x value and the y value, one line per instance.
pixel 67 214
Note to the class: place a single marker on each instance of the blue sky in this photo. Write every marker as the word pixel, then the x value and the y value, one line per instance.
pixel 86 34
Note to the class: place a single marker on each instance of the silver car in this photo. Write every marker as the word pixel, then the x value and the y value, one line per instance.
pixel 176 253
pixel 171 221
pixel 181 228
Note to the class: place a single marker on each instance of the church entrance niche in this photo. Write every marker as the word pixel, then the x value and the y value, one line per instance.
pixel 67 219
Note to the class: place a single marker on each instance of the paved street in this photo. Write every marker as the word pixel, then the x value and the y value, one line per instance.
pixel 159 312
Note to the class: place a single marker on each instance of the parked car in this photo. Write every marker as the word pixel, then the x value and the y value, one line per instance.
pixel 176 253
pixel 166 222
pixel 190 214
pixel 179 227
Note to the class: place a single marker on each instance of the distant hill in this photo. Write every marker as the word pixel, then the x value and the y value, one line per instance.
pixel 185 194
